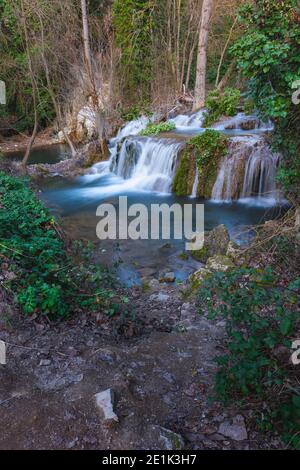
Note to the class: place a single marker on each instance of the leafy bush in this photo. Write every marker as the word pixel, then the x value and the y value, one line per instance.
pixel 268 56
pixel 262 317
pixel 46 279
pixel 155 129
pixel 220 104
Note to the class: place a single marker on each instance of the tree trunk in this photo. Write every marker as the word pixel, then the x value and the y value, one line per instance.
pixel 224 51
pixel 100 119
pixel 86 40
pixel 200 88
pixel 34 91
pixel 52 94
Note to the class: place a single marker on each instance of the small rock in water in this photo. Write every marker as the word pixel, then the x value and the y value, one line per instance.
pixel 235 429
pixel 168 277
pixel 104 401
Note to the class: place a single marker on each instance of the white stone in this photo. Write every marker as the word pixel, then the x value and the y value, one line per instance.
pixel 104 401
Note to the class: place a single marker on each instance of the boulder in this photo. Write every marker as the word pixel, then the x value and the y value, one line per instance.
pixel 220 263
pixel 235 429
pixel 215 243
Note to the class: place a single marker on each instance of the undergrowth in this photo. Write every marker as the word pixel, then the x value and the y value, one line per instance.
pixel 43 274
pixel 220 104
pixel 262 318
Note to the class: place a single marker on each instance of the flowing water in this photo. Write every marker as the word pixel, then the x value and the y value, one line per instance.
pixel 143 169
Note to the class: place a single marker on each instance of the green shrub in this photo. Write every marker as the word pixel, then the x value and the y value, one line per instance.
pixel 262 316
pixel 155 129
pixel 220 104
pixel 46 279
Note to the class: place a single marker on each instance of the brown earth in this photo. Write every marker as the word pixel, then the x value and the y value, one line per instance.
pixel 162 379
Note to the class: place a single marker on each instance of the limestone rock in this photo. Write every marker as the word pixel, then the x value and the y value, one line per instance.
pixel 168 440
pixel 219 263
pixel 234 429
pixel 233 250
pixel 104 401
pixel 215 243
pixel 198 277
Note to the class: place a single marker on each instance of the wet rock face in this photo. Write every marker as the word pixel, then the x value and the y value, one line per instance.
pixel 215 243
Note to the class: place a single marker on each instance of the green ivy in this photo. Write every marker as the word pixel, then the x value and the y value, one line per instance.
pixel 261 315
pixel 268 56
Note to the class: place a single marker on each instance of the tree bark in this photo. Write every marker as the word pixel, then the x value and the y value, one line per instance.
pixel 200 89
pixel 86 40
pixel 34 91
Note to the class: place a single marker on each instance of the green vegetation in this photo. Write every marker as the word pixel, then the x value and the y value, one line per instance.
pixel 44 277
pixel 262 317
pixel 205 150
pixel 220 104
pixel 182 183
pixel 155 129
pixel 132 20
pixel 268 56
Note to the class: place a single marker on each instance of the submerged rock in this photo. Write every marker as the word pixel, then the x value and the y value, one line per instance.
pixel 215 243
pixel 167 277
pixel 104 402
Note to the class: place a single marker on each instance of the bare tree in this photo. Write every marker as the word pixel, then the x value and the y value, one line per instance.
pixel 100 121
pixel 200 88
pixel 33 86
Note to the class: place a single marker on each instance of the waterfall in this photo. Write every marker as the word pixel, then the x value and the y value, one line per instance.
pixel 148 162
pixel 193 120
pixel 260 175
pixel 248 170
pixel 196 184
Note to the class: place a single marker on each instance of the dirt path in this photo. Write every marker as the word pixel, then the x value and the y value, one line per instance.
pixel 161 379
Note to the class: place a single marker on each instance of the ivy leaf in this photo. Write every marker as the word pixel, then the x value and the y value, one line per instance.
pixel 285 326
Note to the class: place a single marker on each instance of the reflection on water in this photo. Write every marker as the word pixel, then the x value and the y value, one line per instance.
pixel 76 202
pixel 50 154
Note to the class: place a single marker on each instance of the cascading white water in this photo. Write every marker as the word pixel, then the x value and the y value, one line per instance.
pixel 248 170
pixel 149 162
pixel 193 120
pixel 260 175
pixel 196 184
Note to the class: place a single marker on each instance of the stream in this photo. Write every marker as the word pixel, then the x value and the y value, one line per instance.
pixel 143 169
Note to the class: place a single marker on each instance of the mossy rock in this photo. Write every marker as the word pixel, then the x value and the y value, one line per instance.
pixel 220 263
pixel 205 152
pixel 198 277
pixel 185 175
pixel 215 243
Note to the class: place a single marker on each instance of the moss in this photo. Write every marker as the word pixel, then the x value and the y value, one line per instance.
pixel 206 150
pixel 201 255
pixel 182 184
pixel 155 129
